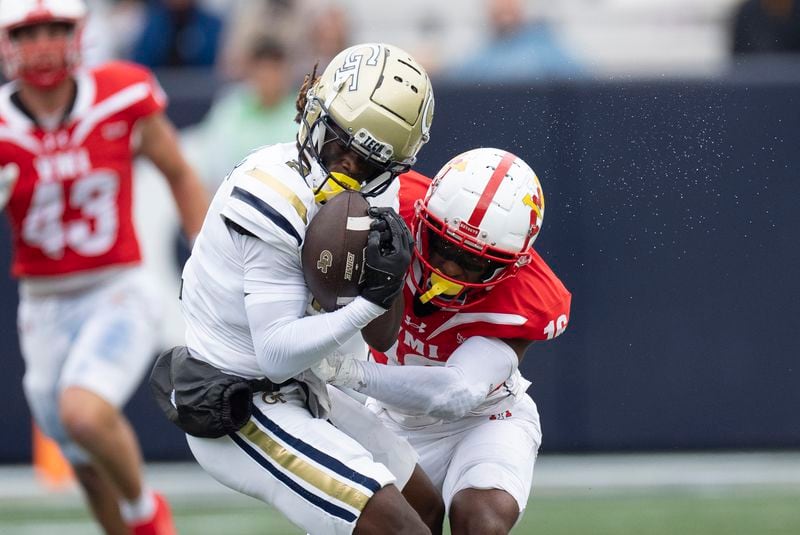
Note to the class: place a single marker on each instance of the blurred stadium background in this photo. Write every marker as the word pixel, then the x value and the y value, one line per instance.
pixel 666 137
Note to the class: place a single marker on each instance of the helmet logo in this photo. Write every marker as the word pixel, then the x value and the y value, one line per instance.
pixel 534 203
pixel 370 145
pixel 458 165
pixel 468 229
pixel 350 69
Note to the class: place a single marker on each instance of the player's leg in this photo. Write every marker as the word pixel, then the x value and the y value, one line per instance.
pixel 489 479
pixel 109 357
pixel 394 452
pixel 425 499
pixel 102 430
pixel 47 329
pixel 317 476
pixel 388 512
pixel 103 499
pixel 483 512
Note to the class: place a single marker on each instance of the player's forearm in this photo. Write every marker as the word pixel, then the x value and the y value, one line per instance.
pixel 191 199
pixel 442 392
pixel 159 143
pixel 289 346
pixel 449 392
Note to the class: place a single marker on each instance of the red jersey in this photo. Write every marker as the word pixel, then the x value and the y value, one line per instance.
pixel 70 210
pixel 534 305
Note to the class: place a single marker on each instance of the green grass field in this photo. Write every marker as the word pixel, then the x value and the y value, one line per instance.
pixel 642 513
pixel 704 506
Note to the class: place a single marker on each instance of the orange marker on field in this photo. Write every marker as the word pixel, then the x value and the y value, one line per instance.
pixel 50 466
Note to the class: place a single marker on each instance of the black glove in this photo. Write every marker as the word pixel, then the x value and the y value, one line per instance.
pixel 388 256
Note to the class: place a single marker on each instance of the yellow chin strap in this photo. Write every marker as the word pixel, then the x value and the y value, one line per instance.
pixel 441 286
pixel 332 188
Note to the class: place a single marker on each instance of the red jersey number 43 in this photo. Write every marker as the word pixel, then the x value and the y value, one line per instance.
pixel 93 233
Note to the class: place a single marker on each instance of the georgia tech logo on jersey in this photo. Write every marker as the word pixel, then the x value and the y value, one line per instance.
pixel 325 260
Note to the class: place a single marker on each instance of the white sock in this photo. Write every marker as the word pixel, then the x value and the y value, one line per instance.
pixel 138 510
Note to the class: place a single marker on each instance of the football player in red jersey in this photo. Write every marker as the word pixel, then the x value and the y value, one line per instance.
pixel 68 138
pixel 476 296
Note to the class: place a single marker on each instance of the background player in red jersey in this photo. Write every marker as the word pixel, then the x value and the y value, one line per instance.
pixel 477 295
pixel 87 321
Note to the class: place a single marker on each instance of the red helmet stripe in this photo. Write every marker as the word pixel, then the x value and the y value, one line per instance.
pixel 490 189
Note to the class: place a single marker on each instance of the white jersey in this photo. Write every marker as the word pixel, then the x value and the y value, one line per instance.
pixel 266 196
pixel 306 451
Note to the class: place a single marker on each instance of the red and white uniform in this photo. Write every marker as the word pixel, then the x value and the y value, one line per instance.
pixel 87 314
pixel 495 445
pixel 534 305
pixel 70 210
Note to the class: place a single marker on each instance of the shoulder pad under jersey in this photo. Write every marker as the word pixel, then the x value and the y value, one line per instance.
pixel 269 196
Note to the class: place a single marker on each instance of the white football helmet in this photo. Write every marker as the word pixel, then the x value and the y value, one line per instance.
pixel 483 210
pixel 15 14
pixel 376 100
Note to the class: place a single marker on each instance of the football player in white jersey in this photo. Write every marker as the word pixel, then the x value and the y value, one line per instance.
pixel 87 322
pixel 476 297
pixel 245 302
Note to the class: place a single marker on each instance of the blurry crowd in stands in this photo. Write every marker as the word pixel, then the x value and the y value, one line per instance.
pixel 261 49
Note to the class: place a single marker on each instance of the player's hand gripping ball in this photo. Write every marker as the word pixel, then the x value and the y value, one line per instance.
pixel 333 250
pixel 386 258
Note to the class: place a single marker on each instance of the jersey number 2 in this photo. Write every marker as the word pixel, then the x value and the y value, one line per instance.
pixel 95 196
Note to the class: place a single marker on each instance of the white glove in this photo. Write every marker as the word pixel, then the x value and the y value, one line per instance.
pixel 339 370
pixel 8 177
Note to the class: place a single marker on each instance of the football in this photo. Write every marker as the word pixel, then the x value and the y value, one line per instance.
pixel 333 250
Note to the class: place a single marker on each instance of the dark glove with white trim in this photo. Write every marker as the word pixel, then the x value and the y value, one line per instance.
pixel 387 257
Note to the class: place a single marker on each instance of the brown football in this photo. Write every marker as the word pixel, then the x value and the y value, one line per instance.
pixel 333 250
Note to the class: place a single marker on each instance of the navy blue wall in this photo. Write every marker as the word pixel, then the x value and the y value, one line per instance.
pixel 670 215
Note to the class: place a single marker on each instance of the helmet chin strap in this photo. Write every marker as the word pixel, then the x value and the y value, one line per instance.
pixel 378 185
pixel 441 286
pixel 334 185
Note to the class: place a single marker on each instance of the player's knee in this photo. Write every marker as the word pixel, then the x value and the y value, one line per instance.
pixel 483 512
pixel 425 499
pixel 89 478
pixel 86 417
pixel 388 512
pixel 432 512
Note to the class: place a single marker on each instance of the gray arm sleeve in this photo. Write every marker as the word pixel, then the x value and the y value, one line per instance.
pixel 286 346
pixel 285 340
pixel 450 391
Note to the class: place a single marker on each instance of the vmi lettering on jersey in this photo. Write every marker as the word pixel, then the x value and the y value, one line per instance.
pixel 63 165
pixel 419 347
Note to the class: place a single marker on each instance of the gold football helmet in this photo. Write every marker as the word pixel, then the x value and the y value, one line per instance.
pixel 377 101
